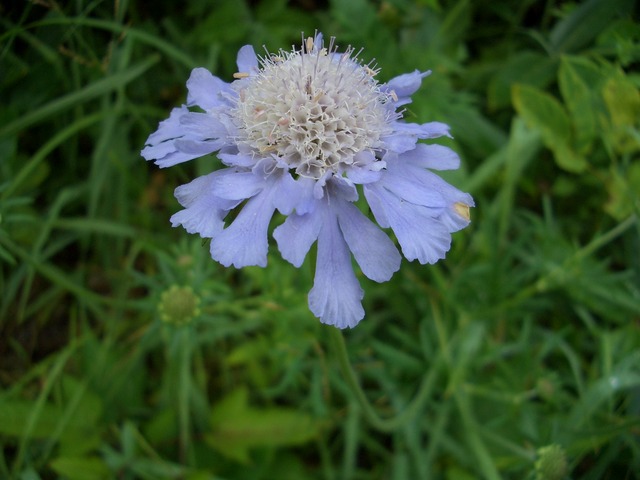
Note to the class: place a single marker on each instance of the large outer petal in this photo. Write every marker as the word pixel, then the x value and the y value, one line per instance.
pixel 406 177
pixel 336 294
pixel 296 235
pixel 419 206
pixel 238 185
pixel 184 136
pixel 421 236
pixel 204 211
pixel 244 241
pixel 375 253
pixel 436 157
pixel 161 143
pixel 414 185
pixel 405 135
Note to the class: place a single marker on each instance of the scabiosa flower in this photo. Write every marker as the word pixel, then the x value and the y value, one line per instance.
pixel 305 132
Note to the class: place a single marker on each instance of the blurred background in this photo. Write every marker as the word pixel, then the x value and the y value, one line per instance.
pixel 126 352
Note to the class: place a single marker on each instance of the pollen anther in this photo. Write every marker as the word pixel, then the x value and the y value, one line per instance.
pixel 462 209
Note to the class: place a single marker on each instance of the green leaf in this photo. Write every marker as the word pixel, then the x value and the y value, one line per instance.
pixel 238 427
pixel 582 25
pixel 14 415
pixel 544 113
pixel 163 427
pixel 567 158
pixel 91 91
pixel 623 101
pixel 357 15
pixel 599 392
pixel 72 421
pixel 226 20
pixel 531 68
pixel 81 468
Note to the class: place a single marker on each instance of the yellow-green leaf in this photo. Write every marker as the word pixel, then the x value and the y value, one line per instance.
pixel 542 112
pixel 624 192
pixel 623 103
pixel 568 159
pixel 578 97
pixel 623 100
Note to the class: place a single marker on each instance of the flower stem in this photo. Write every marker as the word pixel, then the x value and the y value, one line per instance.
pixel 390 424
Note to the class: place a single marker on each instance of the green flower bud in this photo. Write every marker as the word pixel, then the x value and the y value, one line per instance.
pixel 179 305
pixel 551 463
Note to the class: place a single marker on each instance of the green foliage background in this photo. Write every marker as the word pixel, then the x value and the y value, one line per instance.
pixel 525 337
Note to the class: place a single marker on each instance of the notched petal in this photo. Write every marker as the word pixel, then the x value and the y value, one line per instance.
pixel 296 235
pixel 336 296
pixel 375 253
pixel 244 242
pixel 204 212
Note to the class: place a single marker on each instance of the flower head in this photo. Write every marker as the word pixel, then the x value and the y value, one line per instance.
pixel 305 132
pixel 313 110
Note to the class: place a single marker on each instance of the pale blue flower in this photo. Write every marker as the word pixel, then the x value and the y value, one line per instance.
pixel 305 132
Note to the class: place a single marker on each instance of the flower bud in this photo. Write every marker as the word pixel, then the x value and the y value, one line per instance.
pixel 551 463
pixel 179 305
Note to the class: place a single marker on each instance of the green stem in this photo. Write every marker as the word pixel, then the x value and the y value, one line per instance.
pixel 471 428
pixel 472 432
pixel 184 390
pixel 383 424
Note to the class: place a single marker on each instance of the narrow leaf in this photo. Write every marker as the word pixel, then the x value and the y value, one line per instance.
pixel 91 91
pixel 585 22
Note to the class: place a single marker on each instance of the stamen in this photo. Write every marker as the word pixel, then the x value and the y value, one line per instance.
pixel 240 75
pixel 462 209
pixel 268 148
pixel 370 72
